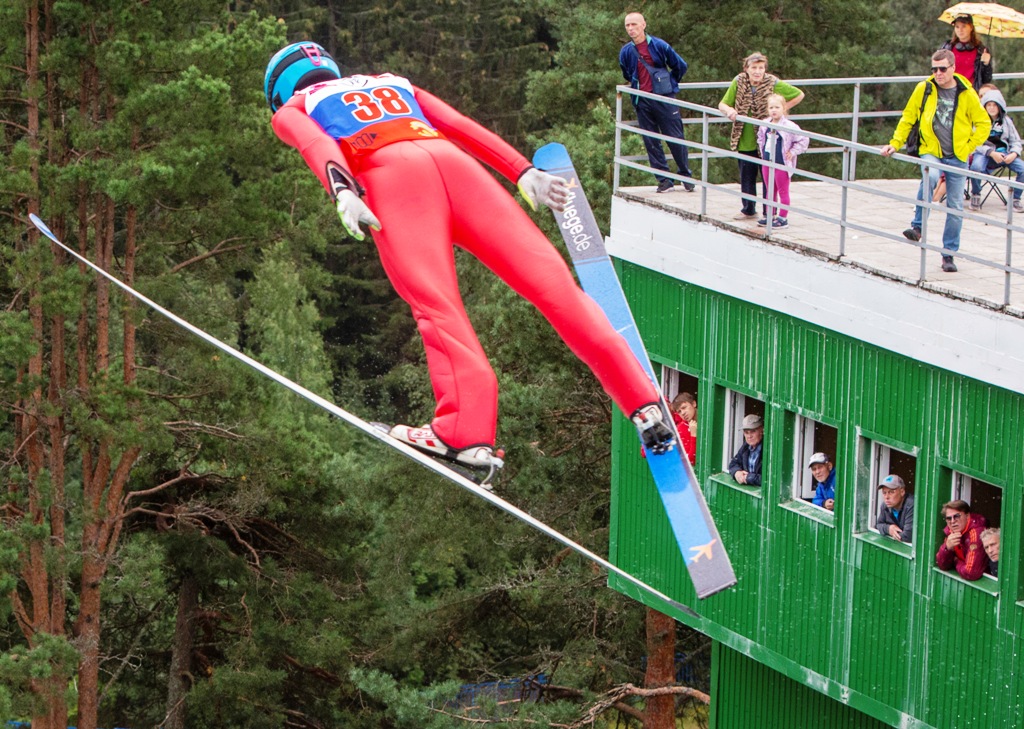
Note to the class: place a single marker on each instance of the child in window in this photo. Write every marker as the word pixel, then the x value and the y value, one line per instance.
pixel 782 147
pixel 684 413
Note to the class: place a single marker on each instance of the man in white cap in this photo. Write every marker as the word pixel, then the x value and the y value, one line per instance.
pixel 896 517
pixel 745 466
pixel 825 477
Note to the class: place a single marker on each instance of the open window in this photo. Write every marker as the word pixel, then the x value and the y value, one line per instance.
pixel 811 437
pixel 738 406
pixel 673 385
pixel 985 499
pixel 879 460
pixel 674 382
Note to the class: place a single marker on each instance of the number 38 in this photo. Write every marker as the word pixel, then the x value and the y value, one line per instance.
pixel 375 104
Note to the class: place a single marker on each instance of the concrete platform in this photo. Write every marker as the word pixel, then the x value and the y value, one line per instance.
pixel 883 251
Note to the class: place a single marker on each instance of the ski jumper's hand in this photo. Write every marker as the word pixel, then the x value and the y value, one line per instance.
pixel 540 187
pixel 353 211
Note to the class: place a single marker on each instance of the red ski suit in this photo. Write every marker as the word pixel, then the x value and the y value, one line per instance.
pixel 399 143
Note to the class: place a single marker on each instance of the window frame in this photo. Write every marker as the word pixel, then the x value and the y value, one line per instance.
pixel 734 410
pixel 952 478
pixel 869 464
pixel 802 485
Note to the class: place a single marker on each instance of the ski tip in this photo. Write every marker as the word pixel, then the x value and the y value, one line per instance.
pixel 684 609
pixel 552 156
pixel 43 228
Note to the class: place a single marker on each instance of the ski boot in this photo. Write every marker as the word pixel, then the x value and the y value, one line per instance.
pixel 655 434
pixel 479 457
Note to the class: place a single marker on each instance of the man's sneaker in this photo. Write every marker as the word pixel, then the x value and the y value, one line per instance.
pixel 975 202
pixel 913 233
pixel 656 435
pixel 947 264
pixel 689 186
pixel 1018 205
pixel 780 222
pixel 666 186
pixel 423 438
pixel 764 221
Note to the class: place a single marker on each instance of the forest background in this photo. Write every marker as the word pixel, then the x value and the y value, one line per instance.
pixel 183 543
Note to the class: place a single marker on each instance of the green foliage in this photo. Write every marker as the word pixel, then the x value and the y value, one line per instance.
pixel 474 54
pixel 50 656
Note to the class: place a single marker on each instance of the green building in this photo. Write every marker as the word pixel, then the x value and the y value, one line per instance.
pixel 831 624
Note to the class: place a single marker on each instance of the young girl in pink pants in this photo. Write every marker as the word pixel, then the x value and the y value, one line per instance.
pixel 781 147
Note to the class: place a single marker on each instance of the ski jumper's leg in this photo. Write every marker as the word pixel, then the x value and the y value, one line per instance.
pixel 410 196
pixel 489 223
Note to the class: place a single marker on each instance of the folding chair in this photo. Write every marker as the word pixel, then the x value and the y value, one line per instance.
pixel 988 187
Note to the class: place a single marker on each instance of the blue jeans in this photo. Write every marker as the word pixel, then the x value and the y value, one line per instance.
pixel 954 199
pixel 654 116
pixel 981 163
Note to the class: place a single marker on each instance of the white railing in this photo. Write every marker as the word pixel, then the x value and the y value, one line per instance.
pixel 704 117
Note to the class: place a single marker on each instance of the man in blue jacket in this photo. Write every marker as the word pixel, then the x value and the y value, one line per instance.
pixel 645 60
pixel 825 477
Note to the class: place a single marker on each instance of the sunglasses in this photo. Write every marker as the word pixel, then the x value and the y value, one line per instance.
pixel 940 69
pixel 954 517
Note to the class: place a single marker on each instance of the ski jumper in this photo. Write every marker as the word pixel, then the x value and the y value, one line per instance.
pixel 399 144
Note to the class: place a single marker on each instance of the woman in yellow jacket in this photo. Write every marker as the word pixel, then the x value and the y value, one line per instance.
pixel 953 124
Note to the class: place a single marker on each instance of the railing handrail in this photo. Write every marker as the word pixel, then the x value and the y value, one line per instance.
pixel 849 148
pixel 842 81
pixel 816 136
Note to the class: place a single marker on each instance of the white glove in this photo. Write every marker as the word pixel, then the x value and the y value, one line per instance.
pixel 353 211
pixel 540 187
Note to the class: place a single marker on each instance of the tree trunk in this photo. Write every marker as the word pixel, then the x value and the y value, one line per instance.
pixel 45 614
pixel 178 681
pixel 661 652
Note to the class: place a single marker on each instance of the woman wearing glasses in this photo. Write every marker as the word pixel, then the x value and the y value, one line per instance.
pixel 962 547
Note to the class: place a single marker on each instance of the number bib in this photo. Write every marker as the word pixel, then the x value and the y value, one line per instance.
pixel 368 112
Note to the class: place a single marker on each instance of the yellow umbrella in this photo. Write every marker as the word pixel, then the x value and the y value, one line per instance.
pixel 989 19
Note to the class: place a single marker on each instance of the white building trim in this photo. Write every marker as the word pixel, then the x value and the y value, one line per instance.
pixel 956 335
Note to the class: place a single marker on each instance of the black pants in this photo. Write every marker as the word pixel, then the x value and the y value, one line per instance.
pixel 655 116
pixel 750 170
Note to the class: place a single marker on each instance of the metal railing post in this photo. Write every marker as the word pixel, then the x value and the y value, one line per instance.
pixel 770 196
pixel 924 193
pixel 705 163
pixel 1009 246
pixel 618 141
pixel 855 128
pixel 843 200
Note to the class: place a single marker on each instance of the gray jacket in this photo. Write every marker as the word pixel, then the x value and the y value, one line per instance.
pixel 904 521
pixel 1010 137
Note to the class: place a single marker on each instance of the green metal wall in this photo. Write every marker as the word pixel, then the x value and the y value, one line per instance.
pixel 748 694
pixel 847 613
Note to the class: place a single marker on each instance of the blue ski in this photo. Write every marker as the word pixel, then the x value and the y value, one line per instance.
pixel 692 525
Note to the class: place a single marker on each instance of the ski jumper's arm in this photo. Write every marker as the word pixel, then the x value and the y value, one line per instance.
pixel 294 127
pixel 475 139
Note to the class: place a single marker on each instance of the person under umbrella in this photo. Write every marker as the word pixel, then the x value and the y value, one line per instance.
pixel 973 60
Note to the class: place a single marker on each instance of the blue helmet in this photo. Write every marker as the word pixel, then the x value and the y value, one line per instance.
pixel 295 67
